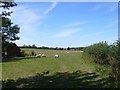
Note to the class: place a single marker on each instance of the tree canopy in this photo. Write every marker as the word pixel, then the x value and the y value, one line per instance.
pixel 8 30
pixel 6 5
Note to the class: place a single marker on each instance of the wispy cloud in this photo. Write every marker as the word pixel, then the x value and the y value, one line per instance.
pixel 66 33
pixel 29 21
pixel 36 28
pixel 52 6
pixel 97 7
pixel 113 7
pixel 108 7
pixel 74 24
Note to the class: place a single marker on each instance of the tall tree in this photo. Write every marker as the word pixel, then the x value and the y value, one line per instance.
pixel 8 30
pixel 6 4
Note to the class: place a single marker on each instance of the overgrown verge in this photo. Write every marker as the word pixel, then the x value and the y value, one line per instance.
pixel 107 55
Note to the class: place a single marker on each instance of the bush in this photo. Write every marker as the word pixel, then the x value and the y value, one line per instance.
pixel 23 54
pixel 99 51
pixel 114 57
pixel 102 71
pixel 32 53
pixel 107 55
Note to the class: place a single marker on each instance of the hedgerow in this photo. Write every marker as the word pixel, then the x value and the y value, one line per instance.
pixel 99 51
pixel 105 54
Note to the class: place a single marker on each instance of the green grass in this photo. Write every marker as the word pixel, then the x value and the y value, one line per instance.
pixel 67 62
pixel 22 67
pixel 0 71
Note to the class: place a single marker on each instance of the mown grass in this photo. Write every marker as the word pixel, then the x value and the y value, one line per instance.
pixel 67 62
pixel 23 67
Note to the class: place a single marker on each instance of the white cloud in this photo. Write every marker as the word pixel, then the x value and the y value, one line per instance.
pixel 75 24
pixel 53 5
pixel 66 33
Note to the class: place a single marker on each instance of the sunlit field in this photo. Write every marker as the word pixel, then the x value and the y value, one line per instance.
pixel 68 62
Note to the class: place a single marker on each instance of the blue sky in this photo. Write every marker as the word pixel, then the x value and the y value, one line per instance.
pixel 60 24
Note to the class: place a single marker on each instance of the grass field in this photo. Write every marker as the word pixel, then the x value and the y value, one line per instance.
pixel 66 71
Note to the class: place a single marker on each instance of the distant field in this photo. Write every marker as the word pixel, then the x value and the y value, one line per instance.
pixel 28 66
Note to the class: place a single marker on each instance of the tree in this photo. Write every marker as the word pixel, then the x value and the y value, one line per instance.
pixel 6 5
pixel 68 48
pixel 8 30
pixel 33 46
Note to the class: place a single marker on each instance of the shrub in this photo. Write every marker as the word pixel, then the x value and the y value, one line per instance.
pixel 114 57
pixel 99 51
pixel 23 53
pixel 100 70
pixel 107 55
pixel 32 53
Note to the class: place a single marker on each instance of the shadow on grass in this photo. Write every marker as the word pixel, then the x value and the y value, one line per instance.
pixel 17 58
pixel 58 80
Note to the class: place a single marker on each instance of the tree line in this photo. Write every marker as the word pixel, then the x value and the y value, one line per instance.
pixel 51 48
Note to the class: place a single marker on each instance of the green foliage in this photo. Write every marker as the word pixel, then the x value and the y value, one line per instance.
pixel 6 5
pixel 115 75
pixel 9 83
pixel 115 64
pixel 99 51
pixel 23 53
pixel 68 48
pixel 32 53
pixel 107 55
pixel 9 31
pixel 100 70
